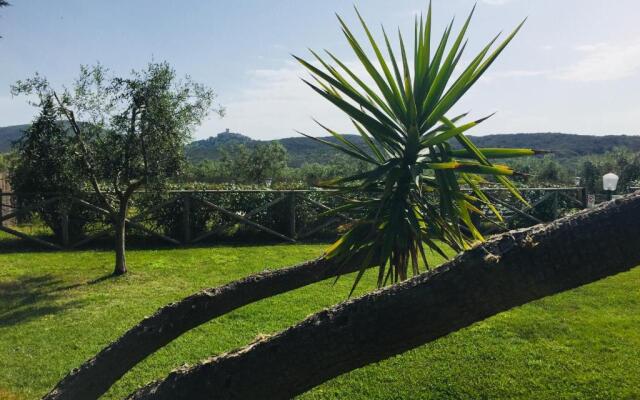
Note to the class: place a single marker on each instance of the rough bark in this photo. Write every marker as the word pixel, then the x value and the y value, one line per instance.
pixel 507 271
pixel 98 374
pixel 120 238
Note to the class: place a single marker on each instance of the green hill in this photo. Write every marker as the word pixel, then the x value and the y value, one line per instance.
pixel 562 144
pixel 210 149
pixel 10 134
pixel 302 149
pixel 299 149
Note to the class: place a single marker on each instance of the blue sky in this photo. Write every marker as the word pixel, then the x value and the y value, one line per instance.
pixel 574 68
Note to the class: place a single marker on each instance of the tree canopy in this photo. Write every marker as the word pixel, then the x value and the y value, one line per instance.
pixel 45 166
pixel 129 132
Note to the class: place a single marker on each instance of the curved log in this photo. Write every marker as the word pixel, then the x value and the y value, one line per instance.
pixel 507 271
pixel 98 374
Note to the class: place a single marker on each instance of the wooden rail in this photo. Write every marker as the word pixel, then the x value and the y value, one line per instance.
pixel 290 201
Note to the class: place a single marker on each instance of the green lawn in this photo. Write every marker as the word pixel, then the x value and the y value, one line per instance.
pixel 55 311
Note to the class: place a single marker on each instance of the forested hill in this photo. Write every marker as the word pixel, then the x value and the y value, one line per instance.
pixel 301 149
pixel 562 144
pixel 10 134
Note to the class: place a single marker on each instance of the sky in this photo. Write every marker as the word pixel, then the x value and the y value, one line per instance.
pixel 574 68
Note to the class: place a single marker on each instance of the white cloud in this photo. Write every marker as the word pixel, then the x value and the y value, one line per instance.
pixel 596 62
pixel 274 103
pixel 523 73
pixel 589 47
pixel 604 62
pixel 515 73
pixel 496 2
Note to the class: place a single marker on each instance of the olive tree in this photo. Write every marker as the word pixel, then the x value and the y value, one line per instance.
pixel 130 132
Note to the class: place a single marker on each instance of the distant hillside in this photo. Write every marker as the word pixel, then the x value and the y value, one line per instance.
pixel 210 149
pixel 302 149
pixel 10 134
pixel 299 149
pixel 562 144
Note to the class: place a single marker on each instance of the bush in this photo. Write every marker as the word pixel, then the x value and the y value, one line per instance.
pixel 169 219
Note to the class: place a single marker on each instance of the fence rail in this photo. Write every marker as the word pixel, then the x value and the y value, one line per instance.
pixel 196 216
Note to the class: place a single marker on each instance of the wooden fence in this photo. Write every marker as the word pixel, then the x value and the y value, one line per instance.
pixel 299 214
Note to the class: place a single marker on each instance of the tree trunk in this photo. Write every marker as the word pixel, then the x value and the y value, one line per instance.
pixel 98 374
pixel 121 261
pixel 507 271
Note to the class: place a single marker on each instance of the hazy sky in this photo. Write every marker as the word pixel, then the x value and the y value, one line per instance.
pixel 575 67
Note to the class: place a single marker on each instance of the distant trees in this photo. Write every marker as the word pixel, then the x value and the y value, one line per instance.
pixel 242 164
pixel 128 132
pixel 238 164
pixel 315 174
pixel 589 176
pixel 561 170
pixel 625 163
pixel 630 173
pixel 5 162
pixel 255 165
pixel 265 161
pixel 621 161
pixel 205 171
pixel 550 171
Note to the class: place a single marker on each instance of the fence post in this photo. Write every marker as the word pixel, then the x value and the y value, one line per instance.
pixel 555 205
pixel 64 222
pixel 583 194
pixel 186 219
pixel 292 215
pixel 1 208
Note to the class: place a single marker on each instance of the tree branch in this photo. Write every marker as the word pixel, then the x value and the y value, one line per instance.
pixel 94 377
pixel 135 185
pixel 507 271
pixel 85 154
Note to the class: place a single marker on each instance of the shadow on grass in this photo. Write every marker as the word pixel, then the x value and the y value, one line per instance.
pixel 10 245
pixel 27 298
pixel 101 279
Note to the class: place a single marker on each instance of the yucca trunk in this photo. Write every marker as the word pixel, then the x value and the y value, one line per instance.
pixel 507 271
pixel 98 374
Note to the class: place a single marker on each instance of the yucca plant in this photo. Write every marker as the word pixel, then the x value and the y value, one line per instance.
pixel 419 191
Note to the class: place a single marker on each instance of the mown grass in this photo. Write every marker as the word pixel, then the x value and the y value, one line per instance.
pixel 59 308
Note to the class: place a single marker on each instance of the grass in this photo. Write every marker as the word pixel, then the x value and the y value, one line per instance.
pixel 59 308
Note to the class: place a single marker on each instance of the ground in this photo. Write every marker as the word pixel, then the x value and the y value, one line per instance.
pixel 59 308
